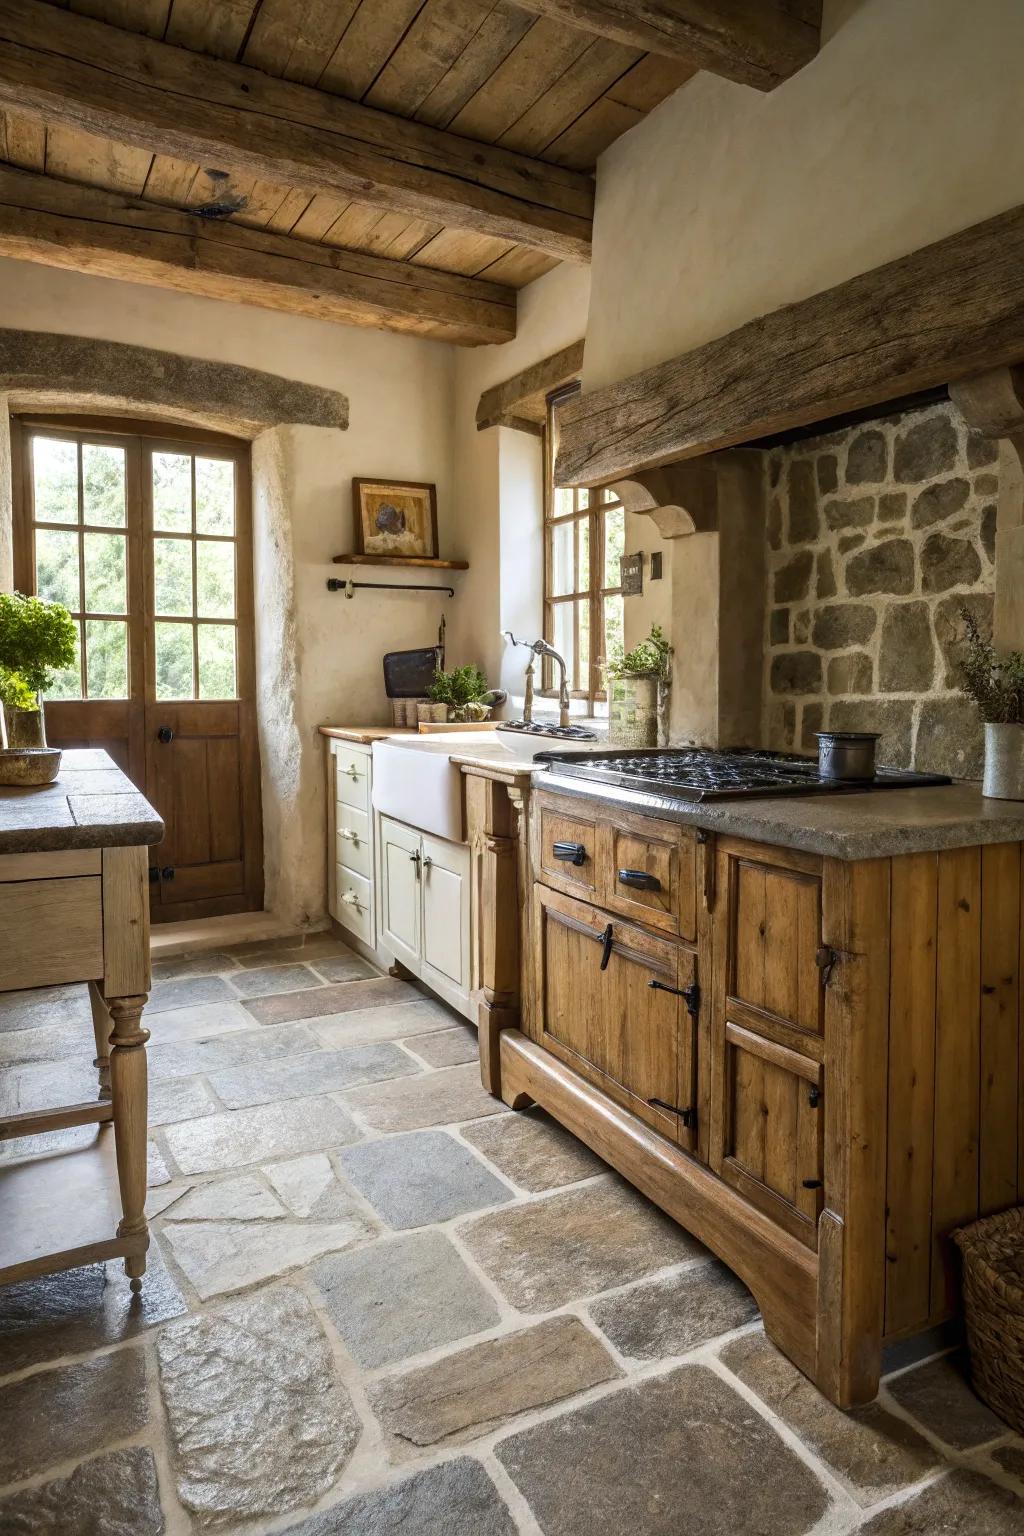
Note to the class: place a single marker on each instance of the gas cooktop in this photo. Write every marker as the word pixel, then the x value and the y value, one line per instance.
pixel 698 773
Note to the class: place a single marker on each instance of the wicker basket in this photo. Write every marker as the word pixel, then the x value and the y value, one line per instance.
pixel 993 1256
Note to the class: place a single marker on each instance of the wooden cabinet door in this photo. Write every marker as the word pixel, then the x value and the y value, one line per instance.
pixel 400 858
pixel 444 933
pixel 611 1007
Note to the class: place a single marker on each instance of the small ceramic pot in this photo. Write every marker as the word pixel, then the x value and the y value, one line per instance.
pixel 633 712
pixel 25 728
pixel 1004 762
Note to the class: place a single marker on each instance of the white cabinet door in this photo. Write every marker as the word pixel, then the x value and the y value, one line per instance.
pixel 445 930
pixel 400 856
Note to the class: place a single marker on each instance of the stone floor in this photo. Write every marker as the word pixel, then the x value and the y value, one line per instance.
pixel 379 1304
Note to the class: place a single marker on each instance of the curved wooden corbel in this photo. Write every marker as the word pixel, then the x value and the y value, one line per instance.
pixel 680 499
pixel 993 403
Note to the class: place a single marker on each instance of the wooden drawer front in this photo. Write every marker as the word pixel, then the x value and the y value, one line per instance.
pixel 632 1039
pixel 773 1130
pixel 775 940
pixel 352 781
pixel 630 855
pixel 352 839
pixel 561 839
pixel 355 903
pixel 52 932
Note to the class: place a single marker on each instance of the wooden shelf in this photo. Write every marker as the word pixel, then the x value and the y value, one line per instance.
pixel 416 562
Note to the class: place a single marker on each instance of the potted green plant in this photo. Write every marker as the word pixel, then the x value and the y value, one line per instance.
pixel 995 681
pixel 458 695
pixel 36 638
pixel 637 690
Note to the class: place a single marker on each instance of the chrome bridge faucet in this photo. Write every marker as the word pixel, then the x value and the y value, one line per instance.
pixel 542 648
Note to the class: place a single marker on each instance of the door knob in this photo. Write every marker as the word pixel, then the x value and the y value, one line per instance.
pixel 428 862
pixel 167 873
pixel 165 734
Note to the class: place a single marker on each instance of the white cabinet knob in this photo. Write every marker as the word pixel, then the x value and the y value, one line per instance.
pixel 352 900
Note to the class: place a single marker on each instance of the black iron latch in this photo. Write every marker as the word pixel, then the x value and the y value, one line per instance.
pixel 607 938
pixel 690 995
pixel 826 959
pixel 687 1116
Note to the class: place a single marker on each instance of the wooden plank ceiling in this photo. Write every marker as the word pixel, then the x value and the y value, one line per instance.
pixel 487 70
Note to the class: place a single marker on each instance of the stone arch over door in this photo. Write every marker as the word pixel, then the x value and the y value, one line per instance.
pixel 42 371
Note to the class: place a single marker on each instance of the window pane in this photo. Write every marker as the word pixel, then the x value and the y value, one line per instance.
pixel 562 559
pixel 55 480
pixel 563 641
pixel 564 503
pixel 582 499
pixel 614 546
pixel 172 575
pixel 57 566
pixel 105 579
pixel 172 492
pixel 215 581
pixel 583 560
pixel 613 627
pixel 217 661
pixel 174 661
pixel 103 485
pixel 215 496
pixel 67 684
pixel 583 670
pixel 106 659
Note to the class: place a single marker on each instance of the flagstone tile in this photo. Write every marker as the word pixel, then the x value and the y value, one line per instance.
pixel 209 962
pixel 178 1098
pixel 425 1177
pixel 345 965
pixel 296 1077
pixel 275 978
pixel 156 1168
pixel 448 1048
pixel 334 998
pixel 235 1048
pixel 189 991
pixel 938 1396
pixel 962 1503
pixel 433 1098
pixel 157 1200
pixel 308 1187
pixel 293 947
pixel 669 1453
pixel 395 1299
pixel 67 1007
pixel 260 1135
pixel 454 1499
pixel 534 1151
pixel 57 1415
pixel 244 1198
pixel 546 1252
pixel 395 1021
pixel 675 1314
pixel 222 1256
pixel 112 1495
pixel 199 1023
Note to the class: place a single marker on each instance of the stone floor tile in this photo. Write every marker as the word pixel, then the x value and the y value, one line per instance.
pixel 962 1503
pixel 264 1134
pixel 340 997
pixel 396 1299
pixel 426 1177
pixel 344 966
pixel 938 1396
pixel 234 1048
pixel 393 1022
pixel 675 1314
pixel 157 1200
pixel 82 1309
pixel 66 1006
pixel 178 1098
pixel 675 1453
pixel 869 1449
pixel 309 1188
pixel 534 1151
pixel 290 949
pixel 207 962
pixel 470 1393
pixel 297 1077
pixel 448 1048
pixel 259 1422
pixel 455 1499
pixel 45 1042
pixel 58 1415
pixel 190 991
pixel 45 1084
pixel 576 1243
pixel 433 1098
pixel 47 1143
pixel 273 978
pixel 222 1256
pixel 244 1198
pixel 156 1168
pixel 200 1023
pixel 112 1495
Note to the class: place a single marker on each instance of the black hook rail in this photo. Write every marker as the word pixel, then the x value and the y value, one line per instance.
pixel 335 584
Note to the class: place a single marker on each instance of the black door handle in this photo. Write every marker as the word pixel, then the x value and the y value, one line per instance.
pixel 165 734
pixel 571 853
pixel 606 946
pixel 167 873
pixel 639 879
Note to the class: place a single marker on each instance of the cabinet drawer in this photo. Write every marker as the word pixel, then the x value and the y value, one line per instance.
pixel 647 871
pixel 52 932
pixel 355 903
pixel 568 852
pixel 352 840
pixel 352 781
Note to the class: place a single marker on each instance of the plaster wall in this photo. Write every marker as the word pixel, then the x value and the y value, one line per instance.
pixel 318 653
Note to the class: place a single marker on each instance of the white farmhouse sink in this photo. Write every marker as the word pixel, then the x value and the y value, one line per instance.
pixel 414 780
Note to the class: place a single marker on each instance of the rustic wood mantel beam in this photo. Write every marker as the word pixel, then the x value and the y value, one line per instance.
pixel 757 42
pixel 96 78
pixel 87 229
pixel 950 310
pixel 521 401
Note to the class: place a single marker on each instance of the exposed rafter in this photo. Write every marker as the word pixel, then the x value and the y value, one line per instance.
pixel 521 401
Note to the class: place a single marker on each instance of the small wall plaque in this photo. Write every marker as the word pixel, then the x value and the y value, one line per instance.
pixel 632 569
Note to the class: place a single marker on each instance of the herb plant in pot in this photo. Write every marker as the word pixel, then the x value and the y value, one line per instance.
pixel 995 681
pixel 637 691
pixel 36 638
pixel 458 695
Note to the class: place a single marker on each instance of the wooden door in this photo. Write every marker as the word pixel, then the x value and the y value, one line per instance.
pixel 400 859
pixel 612 1007
pixel 148 542
pixel 444 932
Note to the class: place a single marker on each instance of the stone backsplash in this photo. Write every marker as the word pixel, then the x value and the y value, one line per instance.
pixel 877 536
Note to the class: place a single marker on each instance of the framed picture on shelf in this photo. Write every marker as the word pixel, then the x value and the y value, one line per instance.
pixel 395 517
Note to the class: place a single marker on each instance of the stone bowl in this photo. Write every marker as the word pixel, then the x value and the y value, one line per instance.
pixel 25 767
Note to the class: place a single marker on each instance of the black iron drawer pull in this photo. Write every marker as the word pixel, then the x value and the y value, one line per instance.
pixel 639 879
pixel 571 853
pixel 687 1116
pixel 606 946
pixel 811 1183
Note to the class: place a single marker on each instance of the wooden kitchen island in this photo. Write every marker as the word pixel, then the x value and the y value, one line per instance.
pixel 794 1024
pixel 74 907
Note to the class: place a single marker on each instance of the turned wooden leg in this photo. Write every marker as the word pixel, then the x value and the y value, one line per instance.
pixel 102 1026
pixel 128 1084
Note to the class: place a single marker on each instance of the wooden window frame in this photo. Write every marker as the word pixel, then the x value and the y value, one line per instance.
pixel 593 512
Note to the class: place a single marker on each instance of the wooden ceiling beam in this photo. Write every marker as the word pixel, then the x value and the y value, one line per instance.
pixel 86 229
pixel 521 401
pixel 941 314
pixel 756 42
pixel 84 74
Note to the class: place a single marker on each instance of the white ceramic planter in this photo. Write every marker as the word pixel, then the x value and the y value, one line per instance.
pixel 1004 762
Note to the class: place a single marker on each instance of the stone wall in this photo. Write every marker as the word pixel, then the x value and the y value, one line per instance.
pixel 877 535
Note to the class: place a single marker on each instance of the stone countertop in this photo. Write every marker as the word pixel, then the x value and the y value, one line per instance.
pixel 91 804
pixel 840 825
pixel 367 734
